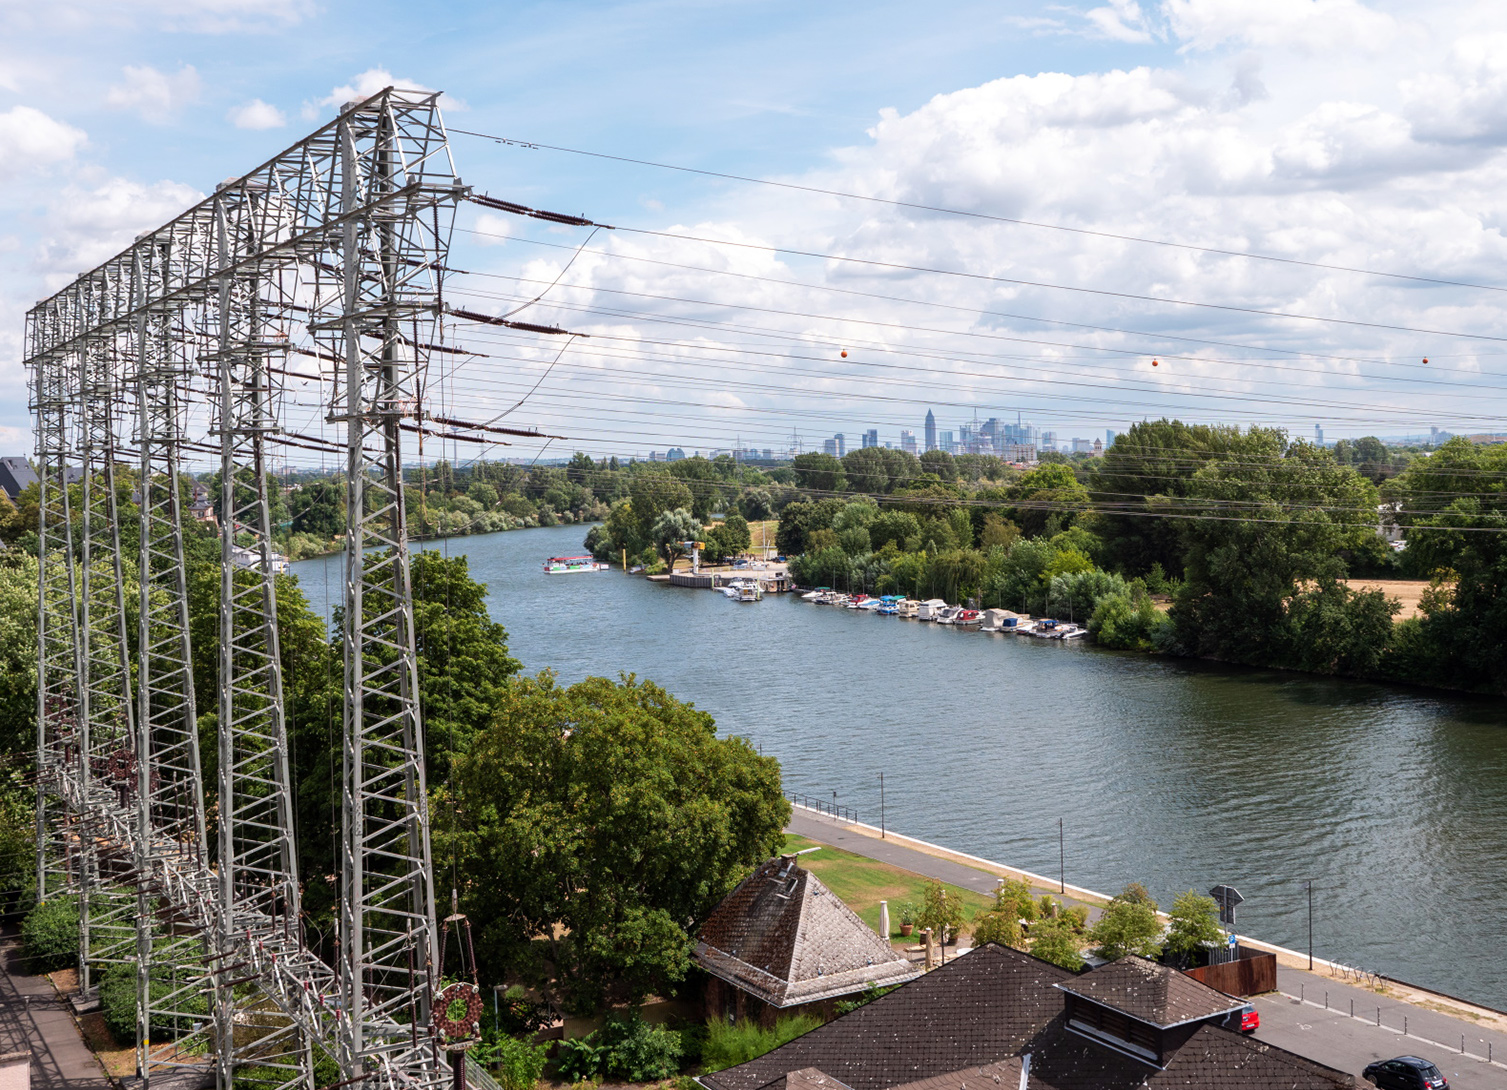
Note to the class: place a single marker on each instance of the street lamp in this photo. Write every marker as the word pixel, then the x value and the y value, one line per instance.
pixel 881 806
pixel 1308 885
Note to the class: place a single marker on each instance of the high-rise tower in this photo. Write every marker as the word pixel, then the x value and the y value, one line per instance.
pixel 931 430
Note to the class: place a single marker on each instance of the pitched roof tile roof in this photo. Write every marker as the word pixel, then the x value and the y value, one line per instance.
pixel 984 1010
pixel 1151 993
pixel 785 938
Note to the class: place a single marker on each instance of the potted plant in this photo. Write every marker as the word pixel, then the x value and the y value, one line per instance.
pixel 908 913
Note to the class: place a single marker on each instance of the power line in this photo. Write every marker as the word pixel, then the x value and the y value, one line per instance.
pixel 941 209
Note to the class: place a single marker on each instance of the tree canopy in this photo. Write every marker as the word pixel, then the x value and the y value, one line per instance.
pixel 596 827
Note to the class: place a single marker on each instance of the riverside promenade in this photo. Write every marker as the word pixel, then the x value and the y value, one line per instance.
pixel 1310 1013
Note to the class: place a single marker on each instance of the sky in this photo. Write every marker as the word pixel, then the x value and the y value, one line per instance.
pixel 1361 143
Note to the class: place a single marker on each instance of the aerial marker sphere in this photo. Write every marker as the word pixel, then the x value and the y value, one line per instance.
pixel 845 355
pixel 1425 359
pixel 1155 364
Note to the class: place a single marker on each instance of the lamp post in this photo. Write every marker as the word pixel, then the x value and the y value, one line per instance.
pixel 881 806
pixel 1061 859
pixel 1308 885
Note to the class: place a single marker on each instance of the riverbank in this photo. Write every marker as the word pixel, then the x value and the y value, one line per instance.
pixel 971 872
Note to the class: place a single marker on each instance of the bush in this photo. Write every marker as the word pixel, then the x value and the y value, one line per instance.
pixel 1056 940
pixel 626 1048
pixel 117 1000
pixel 49 935
pixel 519 1064
pixel 868 995
pixel 730 1044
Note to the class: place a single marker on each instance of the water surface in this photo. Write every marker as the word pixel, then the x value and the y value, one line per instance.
pixel 1180 775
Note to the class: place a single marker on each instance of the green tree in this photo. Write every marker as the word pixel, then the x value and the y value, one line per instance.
pixel 801 518
pixel 1260 572
pixel 597 827
pixel 822 472
pixel 318 508
pixel 1047 493
pixel 1125 928
pixel 865 471
pixel 939 464
pixel 1057 940
pixel 734 535
pixel 942 912
pixel 18 651
pixel 651 494
pixel 671 530
pixel 1194 926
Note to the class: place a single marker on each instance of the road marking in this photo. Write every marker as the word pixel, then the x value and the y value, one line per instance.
pixel 1451 1049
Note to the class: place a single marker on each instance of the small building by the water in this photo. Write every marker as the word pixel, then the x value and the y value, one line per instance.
pixel 782 942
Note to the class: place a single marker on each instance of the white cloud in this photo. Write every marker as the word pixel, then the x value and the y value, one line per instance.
pixel 155 95
pixel 30 139
pixel 257 114
pixel 85 226
pixel 1309 25
pixel 367 84
pixel 1467 102
pixel 1122 21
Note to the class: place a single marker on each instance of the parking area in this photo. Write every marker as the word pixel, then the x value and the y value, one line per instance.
pixel 1296 1018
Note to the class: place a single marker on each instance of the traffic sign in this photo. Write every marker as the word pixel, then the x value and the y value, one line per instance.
pixel 1226 897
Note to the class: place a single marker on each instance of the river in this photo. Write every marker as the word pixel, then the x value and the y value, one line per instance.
pixel 1177 774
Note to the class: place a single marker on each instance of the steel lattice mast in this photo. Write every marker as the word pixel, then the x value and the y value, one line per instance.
pixel 360 211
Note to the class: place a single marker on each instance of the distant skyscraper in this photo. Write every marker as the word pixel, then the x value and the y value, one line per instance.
pixel 842 444
pixel 908 442
pixel 931 431
pixel 829 446
pixel 1109 438
pixel 944 442
pixel 1082 446
pixel 1318 434
pixel 871 437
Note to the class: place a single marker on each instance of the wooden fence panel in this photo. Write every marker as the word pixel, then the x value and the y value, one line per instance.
pixel 1253 974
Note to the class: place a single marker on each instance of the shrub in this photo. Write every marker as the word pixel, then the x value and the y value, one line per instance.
pixel 942 912
pixel 1000 928
pixel 868 995
pixel 1055 940
pixel 1127 928
pixel 519 1064
pixel 626 1048
pixel 49 935
pixel 1194 925
pixel 117 1000
pixel 730 1044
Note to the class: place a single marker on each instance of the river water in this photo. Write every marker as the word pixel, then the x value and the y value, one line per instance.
pixel 1177 774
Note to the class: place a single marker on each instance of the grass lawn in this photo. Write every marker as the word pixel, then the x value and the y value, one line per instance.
pixel 863 883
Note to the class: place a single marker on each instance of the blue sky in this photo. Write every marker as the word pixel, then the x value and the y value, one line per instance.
pixel 1360 134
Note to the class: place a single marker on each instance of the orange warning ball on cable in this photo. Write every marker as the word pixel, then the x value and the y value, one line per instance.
pixel 1155 364
pixel 1425 359
pixel 845 355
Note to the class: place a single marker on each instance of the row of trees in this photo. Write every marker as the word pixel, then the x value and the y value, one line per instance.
pixel 1201 540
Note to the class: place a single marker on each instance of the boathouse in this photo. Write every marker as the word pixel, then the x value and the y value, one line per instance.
pixel 782 942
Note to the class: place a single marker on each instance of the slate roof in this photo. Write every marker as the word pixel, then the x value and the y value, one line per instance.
pixel 783 937
pixel 1151 993
pixel 985 1010
pixel 16 475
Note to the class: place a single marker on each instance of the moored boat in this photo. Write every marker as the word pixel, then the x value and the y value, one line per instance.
pixel 565 565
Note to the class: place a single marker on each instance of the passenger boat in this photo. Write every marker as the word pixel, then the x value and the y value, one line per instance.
pixel 564 565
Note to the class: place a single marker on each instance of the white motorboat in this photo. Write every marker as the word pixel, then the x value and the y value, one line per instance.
pixel 930 609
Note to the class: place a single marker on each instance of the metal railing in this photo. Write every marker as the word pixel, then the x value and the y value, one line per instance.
pixel 823 806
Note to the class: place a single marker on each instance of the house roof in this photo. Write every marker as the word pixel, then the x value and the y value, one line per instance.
pixel 990 1007
pixel 783 937
pixel 16 475
pixel 1151 993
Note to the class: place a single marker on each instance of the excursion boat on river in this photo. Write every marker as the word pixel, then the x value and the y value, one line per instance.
pixel 565 565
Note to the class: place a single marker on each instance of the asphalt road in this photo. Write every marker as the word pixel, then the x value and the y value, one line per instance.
pixel 1331 1036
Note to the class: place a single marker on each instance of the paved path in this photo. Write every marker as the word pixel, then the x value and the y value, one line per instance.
pixel 1295 1017
pixel 32 1016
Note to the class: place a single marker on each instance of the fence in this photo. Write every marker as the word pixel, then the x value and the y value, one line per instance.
pixel 1250 974
pixel 823 806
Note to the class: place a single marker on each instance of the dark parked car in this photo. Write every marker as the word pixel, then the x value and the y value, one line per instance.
pixel 1406 1073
